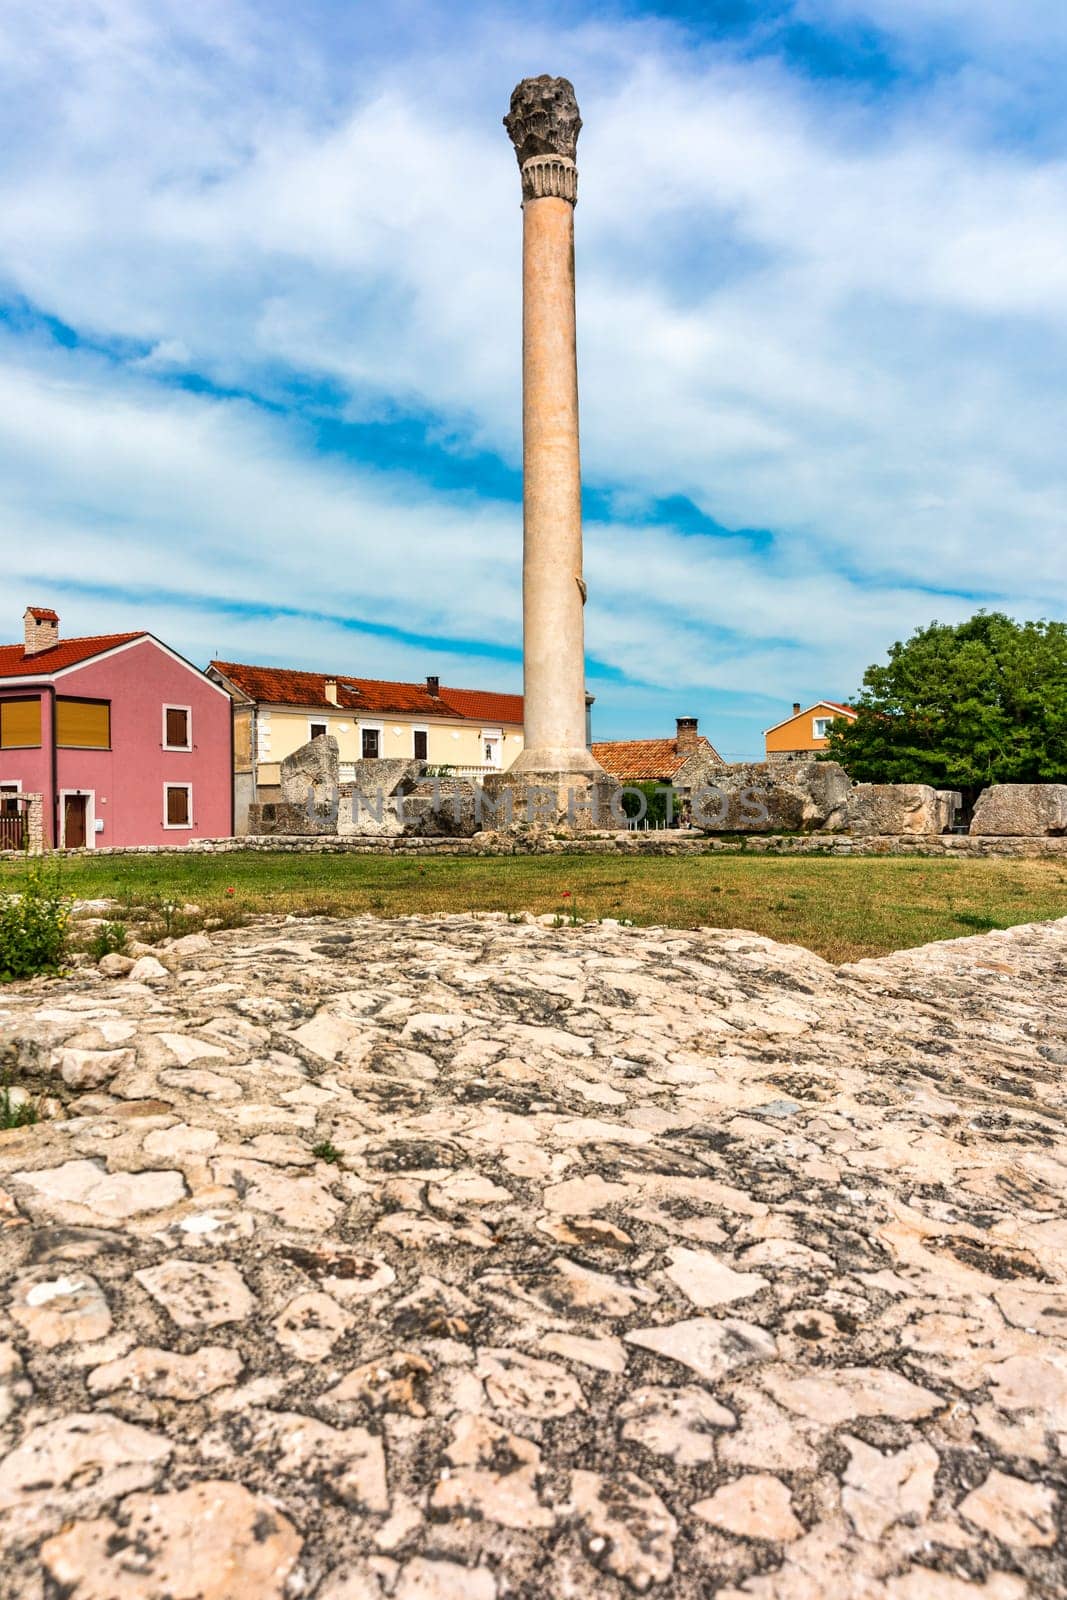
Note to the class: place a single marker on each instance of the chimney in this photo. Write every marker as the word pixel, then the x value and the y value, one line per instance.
pixel 329 689
pixel 796 708
pixel 687 737
pixel 41 629
pixel 433 686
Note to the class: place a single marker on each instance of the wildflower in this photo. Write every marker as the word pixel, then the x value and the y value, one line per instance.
pixel 230 889
pixel 566 894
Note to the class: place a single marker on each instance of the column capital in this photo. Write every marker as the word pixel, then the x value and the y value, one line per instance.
pixel 543 125
pixel 550 175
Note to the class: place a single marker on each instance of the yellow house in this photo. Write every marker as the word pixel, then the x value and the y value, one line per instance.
pixel 468 731
pixel 804 733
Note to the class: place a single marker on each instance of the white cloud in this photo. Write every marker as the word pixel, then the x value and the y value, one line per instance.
pixel 836 315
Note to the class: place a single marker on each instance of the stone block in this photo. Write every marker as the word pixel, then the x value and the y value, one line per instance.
pixel 365 816
pixel 879 808
pixel 770 797
pixel 443 808
pixel 386 775
pixel 316 765
pixel 1021 808
pixel 276 817
pixel 375 803
pixel 950 802
pixel 567 801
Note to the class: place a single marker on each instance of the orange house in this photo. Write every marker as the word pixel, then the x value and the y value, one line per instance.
pixel 804 733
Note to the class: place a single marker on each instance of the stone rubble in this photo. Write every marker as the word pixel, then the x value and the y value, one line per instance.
pixel 460 1259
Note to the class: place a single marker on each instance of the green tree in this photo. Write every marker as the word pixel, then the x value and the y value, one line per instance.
pixel 961 706
pixel 656 798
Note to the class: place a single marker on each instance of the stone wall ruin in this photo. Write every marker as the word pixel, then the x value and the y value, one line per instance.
pixel 394 799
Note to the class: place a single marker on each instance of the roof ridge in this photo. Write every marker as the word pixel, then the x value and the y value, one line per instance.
pixel 660 738
pixel 253 666
pixel 358 677
pixel 459 688
pixel 77 638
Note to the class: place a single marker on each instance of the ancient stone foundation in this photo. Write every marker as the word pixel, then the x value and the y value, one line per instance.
pixel 659 842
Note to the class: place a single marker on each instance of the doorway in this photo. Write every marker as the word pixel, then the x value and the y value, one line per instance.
pixel 75 820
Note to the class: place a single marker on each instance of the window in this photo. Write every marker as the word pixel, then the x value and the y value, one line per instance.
pixel 177 722
pixel 820 727
pixel 491 747
pixel 372 740
pixel 20 724
pixel 83 724
pixel 9 805
pixel 177 805
pixel 317 730
pixel 420 744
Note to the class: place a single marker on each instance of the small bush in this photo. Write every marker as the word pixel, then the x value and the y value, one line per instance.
pixel 34 926
pixel 656 799
pixel 16 1114
pixel 107 940
pixel 326 1151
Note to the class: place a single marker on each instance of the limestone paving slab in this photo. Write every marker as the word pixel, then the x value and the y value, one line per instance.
pixel 458 1259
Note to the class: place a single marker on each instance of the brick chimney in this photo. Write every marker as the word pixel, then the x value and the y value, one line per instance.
pixel 796 708
pixel 433 686
pixel 41 627
pixel 687 739
pixel 329 689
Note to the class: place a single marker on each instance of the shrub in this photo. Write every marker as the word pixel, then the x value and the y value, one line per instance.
pixel 656 799
pixel 16 1113
pixel 34 925
pixel 107 940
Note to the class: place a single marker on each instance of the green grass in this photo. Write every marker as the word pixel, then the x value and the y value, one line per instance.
pixel 842 907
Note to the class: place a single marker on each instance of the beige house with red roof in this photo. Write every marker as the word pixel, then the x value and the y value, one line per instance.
pixel 468 731
pixel 804 732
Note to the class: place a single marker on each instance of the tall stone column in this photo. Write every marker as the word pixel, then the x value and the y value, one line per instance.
pixel 543 125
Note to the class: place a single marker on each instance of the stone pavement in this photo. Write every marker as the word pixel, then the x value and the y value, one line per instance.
pixel 452 1259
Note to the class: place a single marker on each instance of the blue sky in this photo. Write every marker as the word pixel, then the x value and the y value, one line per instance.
pixel 259 333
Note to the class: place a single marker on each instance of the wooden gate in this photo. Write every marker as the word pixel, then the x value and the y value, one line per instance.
pixel 12 829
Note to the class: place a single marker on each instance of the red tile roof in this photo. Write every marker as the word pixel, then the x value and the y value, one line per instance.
pixel 279 686
pixel 15 663
pixel 646 760
pixel 481 705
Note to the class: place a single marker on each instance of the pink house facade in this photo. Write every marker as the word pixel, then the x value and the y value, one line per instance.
pixel 127 742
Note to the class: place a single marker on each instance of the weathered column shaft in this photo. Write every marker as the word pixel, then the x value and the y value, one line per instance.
pixel 543 125
pixel 553 624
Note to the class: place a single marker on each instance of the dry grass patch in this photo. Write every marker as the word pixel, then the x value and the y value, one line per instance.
pixel 841 907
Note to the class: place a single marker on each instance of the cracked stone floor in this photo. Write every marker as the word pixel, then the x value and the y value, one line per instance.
pixel 458 1259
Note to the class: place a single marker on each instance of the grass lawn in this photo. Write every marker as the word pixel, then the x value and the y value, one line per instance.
pixel 843 908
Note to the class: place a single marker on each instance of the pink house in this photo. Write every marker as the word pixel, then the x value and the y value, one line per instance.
pixel 128 743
